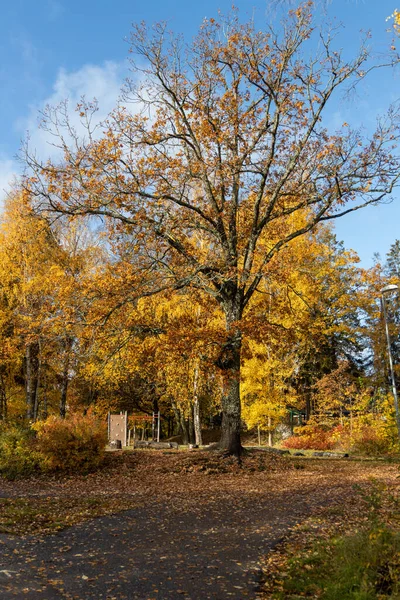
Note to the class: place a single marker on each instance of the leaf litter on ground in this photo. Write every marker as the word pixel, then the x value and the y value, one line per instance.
pixel 185 480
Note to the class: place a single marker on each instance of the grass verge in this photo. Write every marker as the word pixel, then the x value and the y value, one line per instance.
pixel 346 553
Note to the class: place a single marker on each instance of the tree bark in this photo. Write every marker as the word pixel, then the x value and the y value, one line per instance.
pixel 191 426
pixel 37 388
pixel 156 413
pixel 37 383
pixel 181 423
pixel 3 405
pixel 196 408
pixel 68 342
pixel 31 372
pixel 269 432
pixel 63 396
pixel 28 383
pixel 184 429
pixel 3 399
pixel 170 425
pixel 229 363
pixel 308 403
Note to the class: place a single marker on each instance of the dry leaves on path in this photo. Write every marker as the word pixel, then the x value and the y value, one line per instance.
pixel 185 480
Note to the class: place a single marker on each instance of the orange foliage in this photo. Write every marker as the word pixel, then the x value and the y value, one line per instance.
pixel 73 444
pixel 313 437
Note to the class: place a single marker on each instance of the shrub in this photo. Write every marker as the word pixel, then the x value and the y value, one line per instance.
pixel 76 443
pixel 369 435
pixel 373 439
pixel 18 454
pixel 312 436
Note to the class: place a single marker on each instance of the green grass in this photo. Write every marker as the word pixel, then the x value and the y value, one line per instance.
pixel 322 560
pixel 363 566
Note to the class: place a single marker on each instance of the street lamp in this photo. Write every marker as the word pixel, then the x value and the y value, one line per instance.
pixel 387 290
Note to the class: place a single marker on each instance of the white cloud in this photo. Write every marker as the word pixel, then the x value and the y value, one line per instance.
pixel 93 81
pixel 102 83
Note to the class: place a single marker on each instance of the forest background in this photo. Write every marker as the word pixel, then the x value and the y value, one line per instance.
pixel 113 300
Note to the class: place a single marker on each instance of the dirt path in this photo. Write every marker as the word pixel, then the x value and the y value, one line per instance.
pixel 191 546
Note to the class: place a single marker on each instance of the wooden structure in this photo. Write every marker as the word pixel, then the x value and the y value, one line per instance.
pixel 118 428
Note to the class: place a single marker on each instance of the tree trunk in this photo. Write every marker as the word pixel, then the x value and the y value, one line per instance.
pixel 308 403
pixel 3 405
pixel 64 392
pixel 184 429
pixel 31 368
pixel 28 383
pixel 67 343
pixel 37 381
pixel 229 363
pixel 191 426
pixel 181 422
pixel 170 423
pixel 196 409
pixel 37 389
pixel 3 399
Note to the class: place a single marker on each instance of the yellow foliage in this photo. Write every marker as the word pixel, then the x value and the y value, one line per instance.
pixel 264 388
pixel 396 20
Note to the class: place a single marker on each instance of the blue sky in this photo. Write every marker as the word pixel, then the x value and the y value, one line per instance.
pixel 52 49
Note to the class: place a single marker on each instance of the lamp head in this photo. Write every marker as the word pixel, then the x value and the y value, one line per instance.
pixel 389 288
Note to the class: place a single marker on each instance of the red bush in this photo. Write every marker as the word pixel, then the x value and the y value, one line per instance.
pixel 312 437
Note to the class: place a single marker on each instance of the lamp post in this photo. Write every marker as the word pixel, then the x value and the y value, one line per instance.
pixel 387 290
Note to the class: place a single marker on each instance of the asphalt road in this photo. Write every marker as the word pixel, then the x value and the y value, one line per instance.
pixel 155 552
